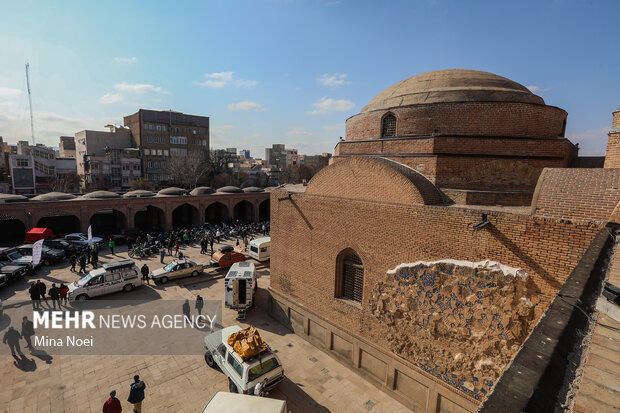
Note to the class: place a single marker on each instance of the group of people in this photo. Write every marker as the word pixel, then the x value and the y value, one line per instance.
pixel 88 255
pixel 57 294
pixel 136 397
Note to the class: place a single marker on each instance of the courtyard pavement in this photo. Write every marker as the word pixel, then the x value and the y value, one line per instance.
pixel 315 382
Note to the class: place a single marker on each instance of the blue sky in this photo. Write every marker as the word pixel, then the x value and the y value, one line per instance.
pixel 273 71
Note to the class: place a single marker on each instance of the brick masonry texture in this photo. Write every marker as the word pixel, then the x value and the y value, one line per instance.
pixel 580 194
pixel 310 230
pixel 463 118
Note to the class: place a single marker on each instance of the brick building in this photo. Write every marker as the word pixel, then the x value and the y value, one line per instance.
pixel 480 137
pixel 374 262
pixel 612 160
pixel 161 134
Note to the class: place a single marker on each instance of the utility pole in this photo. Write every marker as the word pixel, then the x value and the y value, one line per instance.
pixel 30 103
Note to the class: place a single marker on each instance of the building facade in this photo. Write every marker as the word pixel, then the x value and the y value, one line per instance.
pixel 162 134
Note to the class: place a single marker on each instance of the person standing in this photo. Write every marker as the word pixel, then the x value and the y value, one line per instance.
pixel 11 337
pixel 162 254
pixel 145 273
pixel 199 304
pixel 186 309
pixel 64 290
pixel 186 238
pixel 73 261
pixel 112 405
pixel 94 258
pixel 176 249
pixel 82 263
pixel 88 251
pixel 218 234
pixel 42 290
pixel 136 394
pixel 27 332
pixel 35 296
pixel 170 246
pixel 212 240
pixel 55 296
pixel 111 245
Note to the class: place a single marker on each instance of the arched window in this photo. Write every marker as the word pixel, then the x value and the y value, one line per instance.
pixel 349 276
pixel 388 126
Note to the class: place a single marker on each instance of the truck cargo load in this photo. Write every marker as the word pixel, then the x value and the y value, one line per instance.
pixel 247 342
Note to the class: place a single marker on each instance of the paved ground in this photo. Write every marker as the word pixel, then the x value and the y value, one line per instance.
pixel 315 382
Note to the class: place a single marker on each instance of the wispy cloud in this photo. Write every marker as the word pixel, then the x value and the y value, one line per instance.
pixel 333 79
pixel 326 105
pixel 333 127
pixel 246 105
pixel 219 80
pixel 138 88
pixel 9 91
pixel 591 142
pixel 125 59
pixel 536 89
pixel 222 130
pixel 110 98
pixel 298 131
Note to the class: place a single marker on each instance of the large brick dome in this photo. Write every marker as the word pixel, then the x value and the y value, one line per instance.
pixel 452 85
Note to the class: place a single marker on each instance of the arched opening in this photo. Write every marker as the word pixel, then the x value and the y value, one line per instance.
pixel 13 230
pixel 149 218
pixel 107 222
pixel 349 276
pixel 388 126
pixel 184 216
pixel 216 212
pixel 61 224
pixel 244 211
pixel 264 210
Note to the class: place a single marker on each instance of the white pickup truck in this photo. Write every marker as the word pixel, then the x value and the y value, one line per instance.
pixel 243 374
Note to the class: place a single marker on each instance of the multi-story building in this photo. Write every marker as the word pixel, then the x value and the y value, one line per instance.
pixel 44 161
pixel 22 173
pixel 276 155
pixel 67 147
pixel 245 154
pixel 162 134
pixel 107 160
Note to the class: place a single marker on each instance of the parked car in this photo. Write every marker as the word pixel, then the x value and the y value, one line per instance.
pixel 9 272
pixel 112 277
pixel 243 374
pixel 81 240
pixel 61 244
pixel 231 402
pixel 49 256
pixel 177 269
pixel 13 256
pixel 226 256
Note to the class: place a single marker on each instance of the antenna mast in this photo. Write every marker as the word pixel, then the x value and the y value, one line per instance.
pixel 30 103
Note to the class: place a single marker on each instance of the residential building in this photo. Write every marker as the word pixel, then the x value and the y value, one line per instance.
pixel 67 147
pixel 161 134
pixel 245 154
pixel 276 155
pixel 22 173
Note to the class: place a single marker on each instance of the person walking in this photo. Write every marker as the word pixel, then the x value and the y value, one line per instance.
pixel 73 261
pixel 64 290
pixel 55 296
pixel 35 296
pixel 82 263
pixel 199 304
pixel 11 337
pixel 42 290
pixel 186 238
pixel 136 394
pixel 162 254
pixel 88 251
pixel 94 258
pixel 202 246
pixel 112 405
pixel 145 273
pixel 111 245
pixel 170 246
pixel 176 249
pixel 212 240
pixel 27 332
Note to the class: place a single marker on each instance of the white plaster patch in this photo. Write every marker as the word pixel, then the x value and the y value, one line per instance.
pixel 487 264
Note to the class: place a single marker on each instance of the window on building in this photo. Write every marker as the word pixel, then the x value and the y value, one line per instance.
pixel 149 164
pixel 145 126
pixel 194 131
pixel 204 142
pixel 22 162
pixel 136 167
pixel 165 152
pixel 163 128
pixel 160 152
pixel 388 126
pixel 349 276
pixel 158 128
pixel 147 151
pixel 149 139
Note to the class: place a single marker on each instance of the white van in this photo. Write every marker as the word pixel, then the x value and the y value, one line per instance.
pixel 242 403
pixel 240 285
pixel 111 278
pixel 259 248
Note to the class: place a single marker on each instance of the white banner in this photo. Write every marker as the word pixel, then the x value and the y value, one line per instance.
pixel 37 248
pixel 90 234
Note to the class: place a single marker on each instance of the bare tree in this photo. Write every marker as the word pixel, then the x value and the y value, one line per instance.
pixel 64 183
pixel 142 183
pixel 186 171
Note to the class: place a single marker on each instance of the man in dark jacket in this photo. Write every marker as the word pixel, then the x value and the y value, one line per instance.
pixel 112 405
pixel 55 296
pixel 27 332
pixel 35 296
pixel 94 259
pixel 145 273
pixel 11 337
pixel 42 290
pixel 136 394
pixel 73 261
pixel 82 263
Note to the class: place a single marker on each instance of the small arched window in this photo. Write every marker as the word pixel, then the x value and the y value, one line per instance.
pixel 388 126
pixel 350 276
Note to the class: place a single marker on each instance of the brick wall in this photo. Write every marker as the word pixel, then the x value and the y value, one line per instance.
pixel 463 118
pixel 612 157
pixel 583 194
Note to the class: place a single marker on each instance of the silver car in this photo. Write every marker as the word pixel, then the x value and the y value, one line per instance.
pixel 177 269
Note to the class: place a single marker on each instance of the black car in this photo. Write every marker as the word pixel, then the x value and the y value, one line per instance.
pixel 9 272
pixel 226 248
pixel 48 256
pixel 60 244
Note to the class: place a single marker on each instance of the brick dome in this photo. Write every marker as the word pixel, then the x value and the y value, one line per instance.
pixel 452 85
